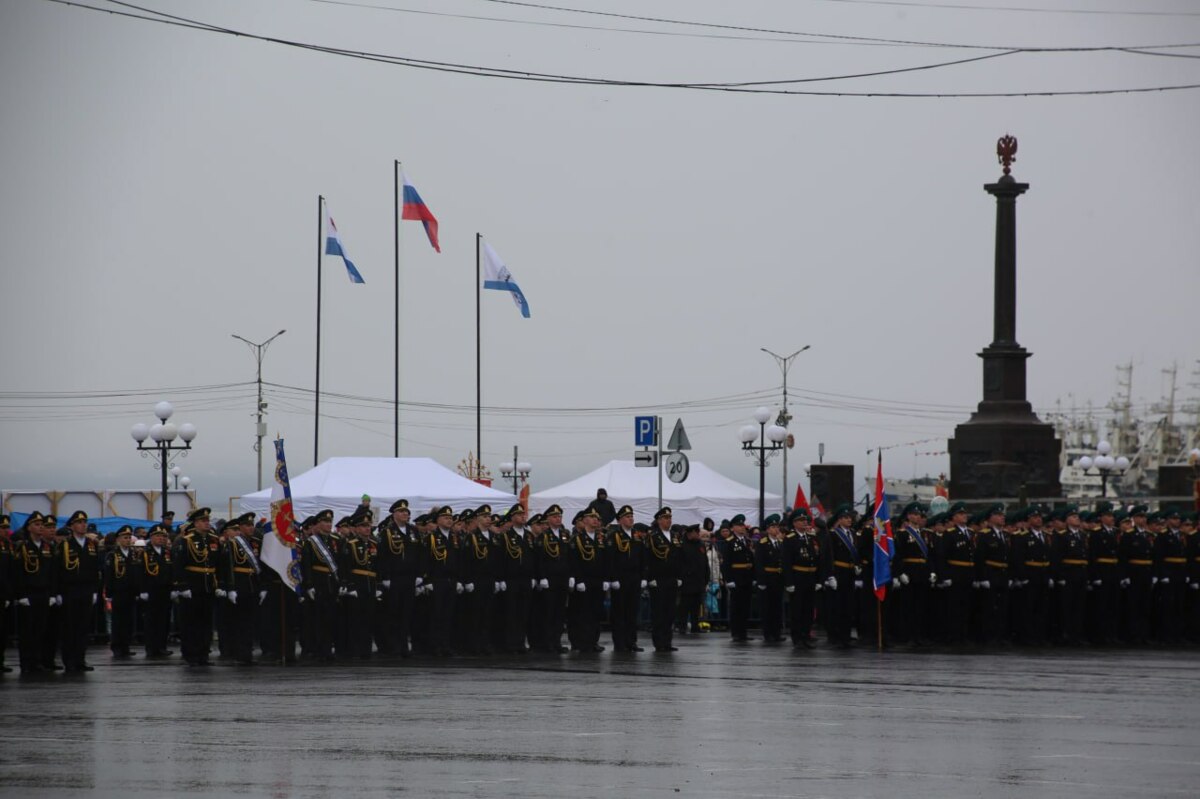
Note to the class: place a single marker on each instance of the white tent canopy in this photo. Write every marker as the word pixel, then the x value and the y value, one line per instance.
pixel 704 493
pixel 339 484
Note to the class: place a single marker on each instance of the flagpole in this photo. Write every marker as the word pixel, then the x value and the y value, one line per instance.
pixel 317 387
pixel 875 554
pixel 478 369
pixel 396 222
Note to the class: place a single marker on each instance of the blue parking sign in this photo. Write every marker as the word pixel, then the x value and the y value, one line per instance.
pixel 644 431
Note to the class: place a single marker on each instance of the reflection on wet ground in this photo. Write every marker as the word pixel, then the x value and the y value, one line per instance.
pixel 710 720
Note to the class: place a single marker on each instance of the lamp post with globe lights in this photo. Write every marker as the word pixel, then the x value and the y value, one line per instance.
pixel 1105 464
pixel 163 449
pixel 755 444
pixel 516 469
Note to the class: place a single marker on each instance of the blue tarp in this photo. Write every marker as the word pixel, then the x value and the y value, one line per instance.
pixel 104 524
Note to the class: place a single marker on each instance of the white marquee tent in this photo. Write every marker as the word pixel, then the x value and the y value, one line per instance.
pixel 704 493
pixel 339 484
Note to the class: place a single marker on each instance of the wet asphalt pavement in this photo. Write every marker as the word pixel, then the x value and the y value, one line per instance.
pixel 711 720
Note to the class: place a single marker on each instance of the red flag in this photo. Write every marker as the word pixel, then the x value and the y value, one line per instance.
pixel 801 500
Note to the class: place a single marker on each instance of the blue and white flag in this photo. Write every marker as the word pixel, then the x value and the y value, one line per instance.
pixel 496 276
pixel 333 246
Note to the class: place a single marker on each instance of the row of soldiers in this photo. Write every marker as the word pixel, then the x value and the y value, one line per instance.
pixel 1029 576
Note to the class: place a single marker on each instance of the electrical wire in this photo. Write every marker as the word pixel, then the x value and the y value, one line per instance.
pixel 1021 9
pixel 494 72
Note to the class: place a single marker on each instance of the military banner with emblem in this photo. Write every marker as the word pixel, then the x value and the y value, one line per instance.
pixel 280 549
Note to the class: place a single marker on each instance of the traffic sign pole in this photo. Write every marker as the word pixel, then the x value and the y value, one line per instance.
pixel 658 440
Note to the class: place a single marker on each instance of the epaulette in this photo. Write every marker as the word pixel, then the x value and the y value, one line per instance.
pixel 792 534
pixel 1019 532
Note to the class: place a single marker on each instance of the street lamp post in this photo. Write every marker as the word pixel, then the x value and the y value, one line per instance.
pixel 761 452
pixel 163 450
pixel 518 470
pixel 1105 464
pixel 785 418
pixel 260 428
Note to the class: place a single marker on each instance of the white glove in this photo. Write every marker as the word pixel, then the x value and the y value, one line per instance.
pixel 504 585
pixel 231 596
pixel 896 583
pixel 53 601
pixel 386 583
pixel 496 587
pixel 819 587
pixel 312 593
pixel 791 589
pixel 543 584
pixel 378 594
pixel 1091 587
pixel 904 579
pixel 605 586
pixel 1049 582
pixel 342 591
pixel 1125 583
pixel 644 583
pixel 570 583
pixel 932 579
pixel 1061 583
pixel 458 588
pixel 1194 586
pixel 1165 581
pixel 94 598
pixel 831 583
pixel 186 594
pixel 678 583
pixel 1097 583
pixel 858 583
pixel 975 584
pixel 761 586
pixel 470 587
pixel 985 584
pixel 220 593
pixel 419 581
pixel 1010 583
pixel 262 597
pixel 143 597
pixel 352 593
pixel 727 585
pixel 653 583
pixel 418 590
pixel 23 601
pixel 1153 581
pixel 857 570
pixel 945 583
pixel 580 587
pixel 615 585
pixel 174 596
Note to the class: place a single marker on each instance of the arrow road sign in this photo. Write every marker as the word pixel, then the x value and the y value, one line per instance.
pixel 679 440
pixel 648 458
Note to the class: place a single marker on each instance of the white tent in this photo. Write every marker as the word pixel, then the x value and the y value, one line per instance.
pixel 704 493
pixel 339 484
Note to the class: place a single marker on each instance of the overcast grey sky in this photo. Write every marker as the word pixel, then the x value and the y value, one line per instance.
pixel 160 187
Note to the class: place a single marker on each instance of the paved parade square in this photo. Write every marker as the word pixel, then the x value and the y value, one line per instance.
pixel 714 719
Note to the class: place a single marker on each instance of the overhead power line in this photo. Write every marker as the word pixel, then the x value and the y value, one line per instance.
pixel 1020 9
pixel 494 72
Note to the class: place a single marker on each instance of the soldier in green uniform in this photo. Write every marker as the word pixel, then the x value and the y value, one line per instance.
pixel 121 583
pixel 79 567
pixel 800 561
pixel 1104 609
pixel 768 575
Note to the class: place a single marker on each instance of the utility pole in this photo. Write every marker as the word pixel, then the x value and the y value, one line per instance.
pixel 785 363
pixel 259 351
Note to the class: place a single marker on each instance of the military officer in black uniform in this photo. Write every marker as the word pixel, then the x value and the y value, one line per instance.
pixel 79 567
pixel 1104 608
pixel 519 574
pixel 662 577
pixel 1170 571
pixel 321 582
pixel 442 573
pixel 626 567
pixel 155 578
pixel 838 564
pixel 239 579
pixel 1032 579
pixel 6 587
pixel 399 568
pixel 737 570
pixel 991 576
pixel 195 555
pixel 480 566
pixel 955 571
pixel 911 566
pixel 768 574
pixel 694 572
pixel 121 584
pixel 33 573
pixel 554 574
pixel 589 572
pixel 360 582
pixel 800 560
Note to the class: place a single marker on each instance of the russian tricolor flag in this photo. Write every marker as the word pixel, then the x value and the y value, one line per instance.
pixel 884 545
pixel 333 246
pixel 414 208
